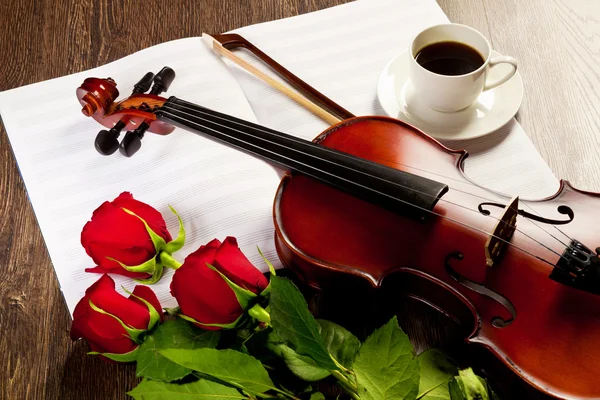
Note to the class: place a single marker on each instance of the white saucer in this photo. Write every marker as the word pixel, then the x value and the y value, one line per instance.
pixel 492 110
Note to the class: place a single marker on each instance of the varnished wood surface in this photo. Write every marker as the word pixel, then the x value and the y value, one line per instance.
pixel 555 41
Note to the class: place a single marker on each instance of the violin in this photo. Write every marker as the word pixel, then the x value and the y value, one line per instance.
pixel 375 200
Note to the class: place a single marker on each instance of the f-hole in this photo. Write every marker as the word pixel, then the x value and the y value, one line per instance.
pixel 497 322
pixel 564 210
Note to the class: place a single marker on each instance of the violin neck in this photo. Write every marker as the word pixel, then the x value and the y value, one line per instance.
pixel 390 188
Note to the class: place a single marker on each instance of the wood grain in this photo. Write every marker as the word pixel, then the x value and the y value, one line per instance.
pixel 557 46
pixel 556 43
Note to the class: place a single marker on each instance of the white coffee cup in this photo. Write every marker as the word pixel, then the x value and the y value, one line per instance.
pixel 450 93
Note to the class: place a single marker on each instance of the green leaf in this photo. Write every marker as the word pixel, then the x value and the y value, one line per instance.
pixel 317 396
pixel 176 244
pixel 341 344
pixel 469 386
pixel 172 334
pixel 295 325
pixel 455 391
pixel 124 358
pixel 199 390
pixel 229 366
pixel 436 371
pixel 255 343
pixel 441 392
pixel 386 367
pixel 302 366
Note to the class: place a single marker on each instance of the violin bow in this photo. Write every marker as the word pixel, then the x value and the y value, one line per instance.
pixel 311 99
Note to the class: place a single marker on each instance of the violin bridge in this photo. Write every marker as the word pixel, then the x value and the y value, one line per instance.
pixel 503 231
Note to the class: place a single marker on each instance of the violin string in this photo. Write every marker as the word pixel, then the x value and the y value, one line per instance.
pixel 469 183
pixel 298 140
pixel 208 113
pixel 521 201
pixel 553 225
pixel 524 202
pixel 164 108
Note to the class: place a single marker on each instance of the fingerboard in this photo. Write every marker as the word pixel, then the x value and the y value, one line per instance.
pixel 390 188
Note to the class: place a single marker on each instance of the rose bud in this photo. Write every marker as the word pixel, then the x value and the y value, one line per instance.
pixel 129 237
pixel 115 325
pixel 216 284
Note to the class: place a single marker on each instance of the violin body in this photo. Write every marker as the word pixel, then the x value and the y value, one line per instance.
pixel 325 235
pixel 375 203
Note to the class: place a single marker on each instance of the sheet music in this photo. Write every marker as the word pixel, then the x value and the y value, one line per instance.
pixel 341 52
pixel 218 191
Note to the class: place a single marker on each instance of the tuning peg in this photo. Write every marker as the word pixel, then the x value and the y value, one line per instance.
pixel 144 84
pixel 107 142
pixel 130 144
pixel 162 80
pixel 132 141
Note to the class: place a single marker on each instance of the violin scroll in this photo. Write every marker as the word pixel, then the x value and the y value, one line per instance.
pixel 97 95
pixel 135 114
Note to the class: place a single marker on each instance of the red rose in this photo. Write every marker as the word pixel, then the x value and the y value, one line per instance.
pixel 100 315
pixel 122 243
pixel 204 295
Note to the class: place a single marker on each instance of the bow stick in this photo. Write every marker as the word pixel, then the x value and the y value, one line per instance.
pixel 315 109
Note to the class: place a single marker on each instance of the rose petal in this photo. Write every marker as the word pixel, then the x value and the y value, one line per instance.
pixel 153 217
pixel 104 296
pixel 131 256
pixel 205 253
pixel 119 270
pixel 121 346
pixel 104 333
pixel 111 224
pixel 203 294
pixel 147 294
pixel 230 260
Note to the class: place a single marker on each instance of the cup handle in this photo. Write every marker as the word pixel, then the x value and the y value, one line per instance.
pixel 499 60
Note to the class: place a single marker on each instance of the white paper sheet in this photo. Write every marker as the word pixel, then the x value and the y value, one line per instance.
pixel 217 191
pixel 342 51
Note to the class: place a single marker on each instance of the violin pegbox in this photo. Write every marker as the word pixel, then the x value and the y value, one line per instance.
pixel 135 114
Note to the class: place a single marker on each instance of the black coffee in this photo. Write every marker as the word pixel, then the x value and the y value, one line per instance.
pixel 449 58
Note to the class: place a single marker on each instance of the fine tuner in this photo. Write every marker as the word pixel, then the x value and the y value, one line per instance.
pixel 107 140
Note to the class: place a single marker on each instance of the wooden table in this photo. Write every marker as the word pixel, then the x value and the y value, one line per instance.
pixel 555 41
